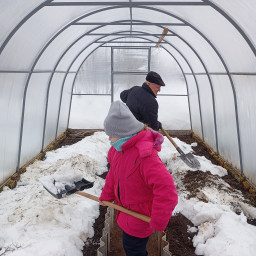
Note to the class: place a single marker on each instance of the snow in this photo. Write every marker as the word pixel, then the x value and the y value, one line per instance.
pixel 33 222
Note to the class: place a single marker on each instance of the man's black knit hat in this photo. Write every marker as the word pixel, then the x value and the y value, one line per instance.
pixel 155 78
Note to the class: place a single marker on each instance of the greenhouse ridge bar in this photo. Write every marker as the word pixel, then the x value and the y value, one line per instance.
pixel 61 60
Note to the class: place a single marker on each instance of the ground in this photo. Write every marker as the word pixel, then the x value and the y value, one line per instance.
pixel 180 240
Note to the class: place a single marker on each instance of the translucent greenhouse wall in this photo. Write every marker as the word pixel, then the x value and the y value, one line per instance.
pixel 246 91
pixel 54 94
pixel 11 92
pixel 34 117
pixel 52 52
pixel 225 119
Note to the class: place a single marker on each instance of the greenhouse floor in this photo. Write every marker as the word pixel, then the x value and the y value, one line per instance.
pixel 180 240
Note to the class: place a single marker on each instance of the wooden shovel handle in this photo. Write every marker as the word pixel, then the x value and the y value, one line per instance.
pixel 115 206
pixel 169 137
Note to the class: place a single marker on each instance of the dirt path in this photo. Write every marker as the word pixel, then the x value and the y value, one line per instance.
pixel 116 248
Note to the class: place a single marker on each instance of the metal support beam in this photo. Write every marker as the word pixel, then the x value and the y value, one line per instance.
pixel 35 71
pixel 118 23
pixel 129 72
pixel 145 73
pixel 131 19
pixel 126 34
pixel 128 42
pixel 234 23
pixel 91 94
pixel 125 4
pixel 18 26
pixel 225 74
pixel 133 47
pixel 143 5
pixel 149 59
pixel 112 75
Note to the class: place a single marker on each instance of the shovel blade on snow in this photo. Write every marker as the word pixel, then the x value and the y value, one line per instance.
pixel 190 160
pixel 84 184
pixel 78 185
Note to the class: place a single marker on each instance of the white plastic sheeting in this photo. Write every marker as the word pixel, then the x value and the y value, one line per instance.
pixel 49 49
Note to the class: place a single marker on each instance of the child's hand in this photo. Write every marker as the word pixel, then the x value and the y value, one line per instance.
pixel 101 203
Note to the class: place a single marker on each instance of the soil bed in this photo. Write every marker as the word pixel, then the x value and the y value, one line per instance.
pixel 177 234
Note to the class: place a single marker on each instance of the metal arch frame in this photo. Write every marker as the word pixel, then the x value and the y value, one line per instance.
pixel 24 108
pixel 113 8
pixel 181 69
pixel 129 34
pixel 130 5
pixel 125 4
pixel 63 83
pixel 51 3
pixel 230 79
pixel 57 65
pixel 177 63
pixel 232 85
pixel 29 76
pixel 196 83
pixel 31 72
pixel 204 66
pixel 131 42
pixel 229 76
pixel 10 35
pixel 219 10
pixel 158 3
pixel 238 28
pixel 146 47
pixel 233 90
pixel 141 23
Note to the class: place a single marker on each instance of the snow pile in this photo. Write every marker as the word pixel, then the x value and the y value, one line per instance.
pixel 33 222
pixel 170 156
pixel 56 182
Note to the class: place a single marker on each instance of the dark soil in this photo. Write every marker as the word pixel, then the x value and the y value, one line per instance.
pixel 177 234
pixel 73 136
pixel 116 248
pixel 92 244
pixel 200 150
pixel 180 240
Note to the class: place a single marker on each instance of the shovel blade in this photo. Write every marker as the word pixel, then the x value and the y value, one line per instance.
pixel 78 185
pixel 190 160
pixel 83 184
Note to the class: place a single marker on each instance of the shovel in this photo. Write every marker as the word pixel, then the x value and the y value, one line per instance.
pixel 85 184
pixel 189 159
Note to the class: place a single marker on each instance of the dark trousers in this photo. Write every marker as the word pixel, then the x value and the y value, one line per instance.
pixel 135 246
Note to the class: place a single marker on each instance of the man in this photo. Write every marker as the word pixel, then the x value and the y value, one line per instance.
pixel 141 100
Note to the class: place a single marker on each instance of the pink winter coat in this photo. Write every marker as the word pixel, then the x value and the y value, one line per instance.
pixel 139 181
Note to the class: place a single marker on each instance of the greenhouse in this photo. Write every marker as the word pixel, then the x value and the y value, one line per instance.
pixel 63 63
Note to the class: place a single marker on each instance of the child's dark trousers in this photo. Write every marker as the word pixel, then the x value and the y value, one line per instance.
pixel 134 246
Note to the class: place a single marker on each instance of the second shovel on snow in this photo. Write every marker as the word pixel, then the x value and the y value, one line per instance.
pixel 50 183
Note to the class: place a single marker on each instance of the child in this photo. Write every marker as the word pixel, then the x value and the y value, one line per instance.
pixel 137 178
